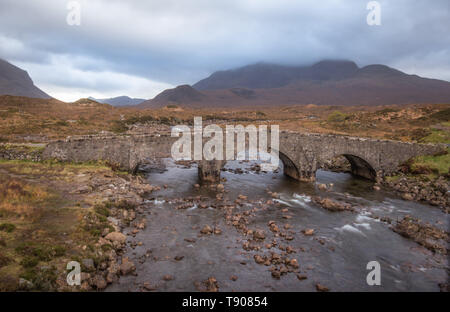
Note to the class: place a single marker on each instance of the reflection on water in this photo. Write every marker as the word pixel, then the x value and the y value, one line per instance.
pixel 336 256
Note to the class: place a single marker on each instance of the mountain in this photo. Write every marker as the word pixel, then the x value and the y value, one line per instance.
pixel 15 81
pixel 119 101
pixel 263 75
pixel 176 96
pixel 324 83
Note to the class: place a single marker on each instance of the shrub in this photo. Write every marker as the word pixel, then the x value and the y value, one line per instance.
pixel 443 115
pixel 124 204
pixel 386 111
pixel 7 227
pixel 4 260
pixel 102 210
pixel 29 262
pixel 119 126
pixel 337 116
pixel 260 114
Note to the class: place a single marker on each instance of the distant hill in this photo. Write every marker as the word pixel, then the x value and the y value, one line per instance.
pixel 15 81
pixel 119 101
pixel 323 83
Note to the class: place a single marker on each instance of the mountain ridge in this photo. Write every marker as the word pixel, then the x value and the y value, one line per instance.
pixel 16 81
pixel 329 82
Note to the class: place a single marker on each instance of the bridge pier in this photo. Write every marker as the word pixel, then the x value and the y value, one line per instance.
pixel 209 171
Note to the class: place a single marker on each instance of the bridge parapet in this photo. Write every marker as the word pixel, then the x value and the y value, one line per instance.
pixel 301 153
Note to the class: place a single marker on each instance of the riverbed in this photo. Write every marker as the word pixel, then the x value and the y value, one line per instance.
pixel 175 256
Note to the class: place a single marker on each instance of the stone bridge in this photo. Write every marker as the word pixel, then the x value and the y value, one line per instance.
pixel 301 153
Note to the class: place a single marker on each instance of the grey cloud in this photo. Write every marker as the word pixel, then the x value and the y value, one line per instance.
pixel 178 42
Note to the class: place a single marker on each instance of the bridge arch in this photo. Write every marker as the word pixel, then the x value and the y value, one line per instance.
pixel 289 167
pixel 361 167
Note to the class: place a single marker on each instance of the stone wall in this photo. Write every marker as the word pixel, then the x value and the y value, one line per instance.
pixel 20 152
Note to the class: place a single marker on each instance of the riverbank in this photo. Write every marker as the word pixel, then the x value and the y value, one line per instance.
pixel 53 213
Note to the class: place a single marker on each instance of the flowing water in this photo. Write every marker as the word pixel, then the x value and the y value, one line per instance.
pixel 335 256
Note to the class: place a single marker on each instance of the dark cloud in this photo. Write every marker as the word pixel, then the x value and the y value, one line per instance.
pixel 159 43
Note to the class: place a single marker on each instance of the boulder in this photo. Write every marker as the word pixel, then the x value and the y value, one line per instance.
pixel 116 237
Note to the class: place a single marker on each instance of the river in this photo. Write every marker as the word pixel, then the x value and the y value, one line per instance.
pixel 335 256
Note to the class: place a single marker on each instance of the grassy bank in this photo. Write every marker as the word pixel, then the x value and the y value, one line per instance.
pixel 44 224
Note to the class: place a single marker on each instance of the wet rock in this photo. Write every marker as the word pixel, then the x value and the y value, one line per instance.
pixel 259 259
pixel 233 278
pixel 308 232
pixel 408 196
pixel 207 230
pixel 140 225
pixel 321 288
pixel 168 277
pixel 148 286
pixel 276 274
pixel 376 188
pixel 322 186
pixel 273 227
pixel 126 267
pixel 332 205
pixel 211 284
pixel 294 263
pixel 116 237
pixel 259 234
pixel 426 235
pixel 275 258
pixel 178 258
pixel 301 277
pixel 289 249
pixel 111 277
pixel 99 282
pixel 250 246
pixel 444 287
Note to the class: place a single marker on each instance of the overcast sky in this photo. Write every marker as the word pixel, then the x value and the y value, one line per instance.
pixel 139 48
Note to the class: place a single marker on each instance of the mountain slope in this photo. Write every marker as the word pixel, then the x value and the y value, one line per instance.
pixel 15 81
pixel 263 75
pixel 180 95
pixel 324 83
pixel 119 101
